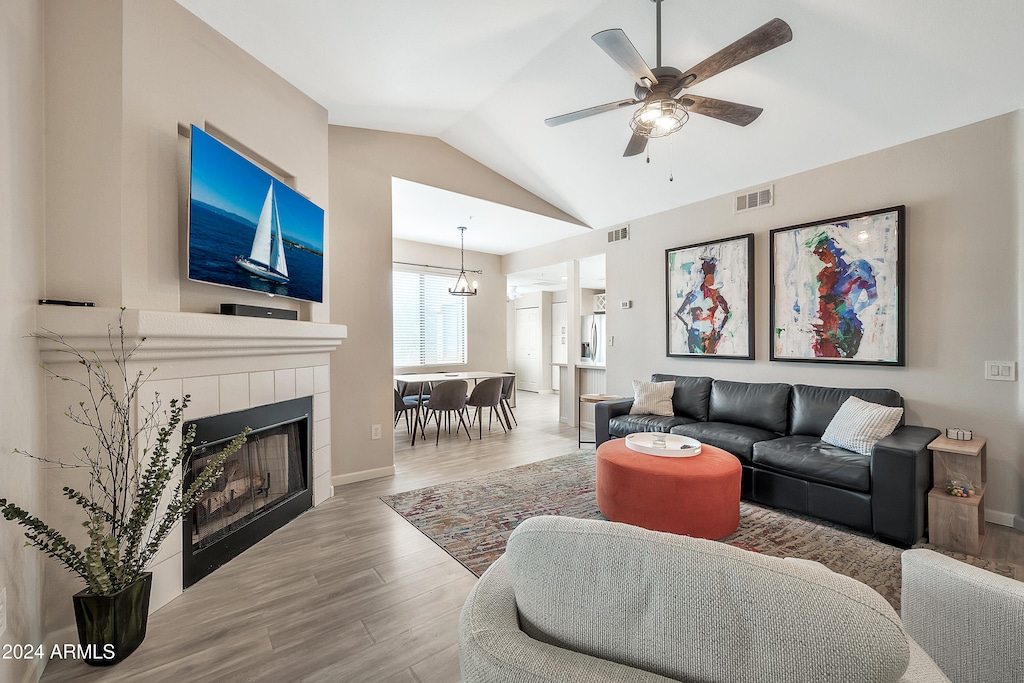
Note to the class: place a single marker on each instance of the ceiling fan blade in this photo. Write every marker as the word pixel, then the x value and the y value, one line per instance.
pixel 768 37
pixel 730 112
pixel 617 45
pixel 584 113
pixel 637 144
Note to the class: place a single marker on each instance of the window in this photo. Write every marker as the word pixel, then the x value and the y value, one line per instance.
pixel 430 323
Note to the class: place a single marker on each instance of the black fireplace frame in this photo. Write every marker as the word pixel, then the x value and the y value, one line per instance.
pixel 218 429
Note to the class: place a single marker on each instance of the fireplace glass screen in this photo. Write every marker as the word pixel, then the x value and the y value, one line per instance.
pixel 264 485
pixel 263 473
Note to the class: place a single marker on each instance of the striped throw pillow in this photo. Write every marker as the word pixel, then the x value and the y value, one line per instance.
pixel 652 398
pixel 858 425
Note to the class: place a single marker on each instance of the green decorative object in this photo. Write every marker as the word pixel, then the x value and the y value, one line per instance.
pixel 134 495
pixel 113 626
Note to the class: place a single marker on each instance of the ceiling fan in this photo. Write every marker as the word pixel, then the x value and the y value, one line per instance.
pixel 664 110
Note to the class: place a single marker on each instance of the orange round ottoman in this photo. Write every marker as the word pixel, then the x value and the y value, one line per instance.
pixel 697 496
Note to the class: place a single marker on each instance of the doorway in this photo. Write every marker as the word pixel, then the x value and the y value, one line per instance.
pixel 528 340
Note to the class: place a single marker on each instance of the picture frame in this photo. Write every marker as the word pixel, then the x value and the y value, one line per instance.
pixel 837 290
pixel 709 299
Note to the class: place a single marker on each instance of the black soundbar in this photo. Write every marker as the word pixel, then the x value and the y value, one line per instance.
pixel 259 311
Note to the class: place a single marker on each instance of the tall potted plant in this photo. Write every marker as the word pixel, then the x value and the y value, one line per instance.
pixel 126 509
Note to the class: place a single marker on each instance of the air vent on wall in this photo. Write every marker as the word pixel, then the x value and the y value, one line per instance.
pixel 758 199
pixel 618 234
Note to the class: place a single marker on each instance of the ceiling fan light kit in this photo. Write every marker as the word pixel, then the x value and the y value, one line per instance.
pixel 660 118
pixel 663 109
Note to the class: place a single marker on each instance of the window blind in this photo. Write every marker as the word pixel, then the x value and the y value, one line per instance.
pixel 429 323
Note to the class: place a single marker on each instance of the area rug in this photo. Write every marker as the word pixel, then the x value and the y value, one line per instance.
pixel 471 519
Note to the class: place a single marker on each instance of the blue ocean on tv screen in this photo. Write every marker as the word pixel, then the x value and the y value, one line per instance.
pixel 228 193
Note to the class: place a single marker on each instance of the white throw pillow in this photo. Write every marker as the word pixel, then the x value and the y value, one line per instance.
pixel 858 425
pixel 652 398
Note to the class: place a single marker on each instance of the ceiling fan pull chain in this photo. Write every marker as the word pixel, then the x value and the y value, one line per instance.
pixel 648 149
pixel 671 160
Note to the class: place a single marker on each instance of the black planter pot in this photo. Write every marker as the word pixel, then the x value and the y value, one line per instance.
pixel 110 627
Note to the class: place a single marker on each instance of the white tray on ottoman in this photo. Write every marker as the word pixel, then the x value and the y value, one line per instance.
pixel 676 446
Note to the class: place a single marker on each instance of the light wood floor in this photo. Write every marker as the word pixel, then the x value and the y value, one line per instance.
pixel 350 591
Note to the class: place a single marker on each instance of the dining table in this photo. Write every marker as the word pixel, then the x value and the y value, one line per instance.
pixel 433 377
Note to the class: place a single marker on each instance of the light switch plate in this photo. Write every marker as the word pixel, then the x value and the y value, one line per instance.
pixel 1001 370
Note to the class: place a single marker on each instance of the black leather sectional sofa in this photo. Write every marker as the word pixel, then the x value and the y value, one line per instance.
pixel 775 431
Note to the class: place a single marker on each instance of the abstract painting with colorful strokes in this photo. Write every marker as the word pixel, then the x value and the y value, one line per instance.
pixel 708 299
pixel 836 290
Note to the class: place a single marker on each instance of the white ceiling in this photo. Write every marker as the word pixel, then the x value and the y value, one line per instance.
pixel 555 278
pixel 482 75
pixel 421 213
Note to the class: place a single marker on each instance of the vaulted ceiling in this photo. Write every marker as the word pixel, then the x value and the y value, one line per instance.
pixel 482 75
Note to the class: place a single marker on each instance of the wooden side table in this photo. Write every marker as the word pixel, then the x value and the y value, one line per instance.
pixel 589 398
pixel 954 522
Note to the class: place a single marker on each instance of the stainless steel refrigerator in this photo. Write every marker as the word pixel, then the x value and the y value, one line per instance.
pixel 593 337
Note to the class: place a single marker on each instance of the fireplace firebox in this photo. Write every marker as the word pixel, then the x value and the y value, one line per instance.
pixel 265 484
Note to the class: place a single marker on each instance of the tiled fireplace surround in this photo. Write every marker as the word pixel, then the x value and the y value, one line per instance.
pixel 225 363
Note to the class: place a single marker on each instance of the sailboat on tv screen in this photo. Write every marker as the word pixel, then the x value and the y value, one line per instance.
pixel 266 259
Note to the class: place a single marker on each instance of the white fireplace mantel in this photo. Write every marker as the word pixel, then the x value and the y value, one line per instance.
pixel 174 335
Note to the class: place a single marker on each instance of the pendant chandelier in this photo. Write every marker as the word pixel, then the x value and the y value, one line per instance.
pixel 462 286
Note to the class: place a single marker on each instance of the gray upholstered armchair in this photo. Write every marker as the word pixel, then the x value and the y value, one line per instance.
pixel 969 620
pixel 583 600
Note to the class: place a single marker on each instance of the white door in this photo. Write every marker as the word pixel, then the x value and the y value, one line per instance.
pixel 528 341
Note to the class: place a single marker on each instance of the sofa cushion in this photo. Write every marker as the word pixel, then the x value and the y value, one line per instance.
pixel 697 610
pixel 652 398
pixel 690 397
pixel 812 408
pixel 811 459
pixel 765 406
pixel 624 425
pixel 736 439
pixel 859 425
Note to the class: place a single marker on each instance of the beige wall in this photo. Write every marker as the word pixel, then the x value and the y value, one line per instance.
pixel 122 78
pixel 362 164
pixel 21 277
pixel 1017 283
pixel 963 287
pixel 485 312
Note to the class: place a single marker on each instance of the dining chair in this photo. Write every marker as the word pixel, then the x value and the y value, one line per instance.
pixel 508 389
pixel 411 391
pixel 448 397
pixel 403 408
pixel 486 394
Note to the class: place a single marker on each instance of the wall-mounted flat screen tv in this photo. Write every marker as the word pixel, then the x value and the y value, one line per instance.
pixel 247 229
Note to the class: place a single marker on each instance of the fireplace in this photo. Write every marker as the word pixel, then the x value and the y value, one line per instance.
pixel 265 484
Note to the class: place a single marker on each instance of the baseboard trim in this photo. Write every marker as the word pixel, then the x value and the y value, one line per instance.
pixel 35 672
pixel 353 477
pixel 1004 519
pixel 64 636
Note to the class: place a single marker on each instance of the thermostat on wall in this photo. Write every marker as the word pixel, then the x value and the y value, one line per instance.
pixel 958 434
